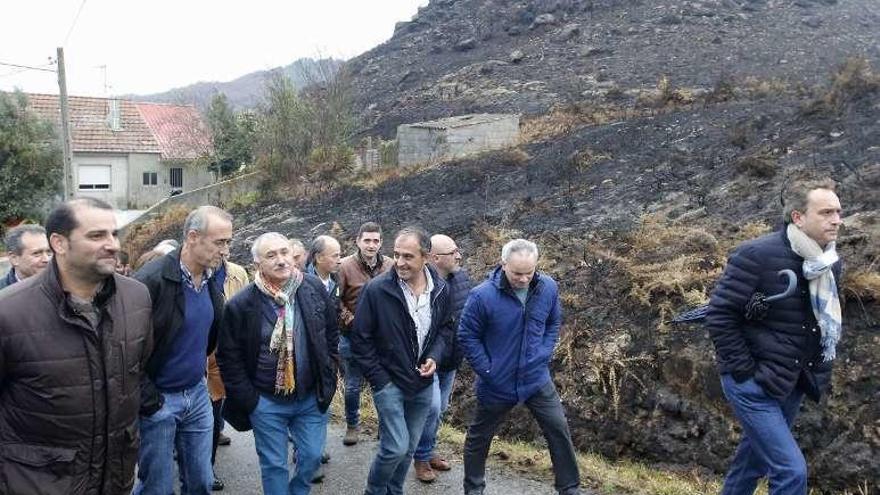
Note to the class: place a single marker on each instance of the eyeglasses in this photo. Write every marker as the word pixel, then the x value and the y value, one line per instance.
pixel 454 251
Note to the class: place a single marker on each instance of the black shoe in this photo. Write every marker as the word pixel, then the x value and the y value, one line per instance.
pixel 325 458
pixel 223 440
pixel 218 485
pixel 319 475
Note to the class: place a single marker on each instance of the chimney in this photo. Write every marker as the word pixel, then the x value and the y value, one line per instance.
pixel 114 115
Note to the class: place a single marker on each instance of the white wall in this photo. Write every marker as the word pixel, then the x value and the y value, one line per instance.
pixel 117 195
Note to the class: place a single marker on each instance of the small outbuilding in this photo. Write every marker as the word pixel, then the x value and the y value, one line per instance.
pixel 454 137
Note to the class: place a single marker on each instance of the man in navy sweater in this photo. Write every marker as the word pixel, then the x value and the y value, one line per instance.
pixel 187 311
pixel 508 331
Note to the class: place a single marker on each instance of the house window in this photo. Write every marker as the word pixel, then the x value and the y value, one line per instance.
pixel 94 177
pixel 151 178
pixel 177 178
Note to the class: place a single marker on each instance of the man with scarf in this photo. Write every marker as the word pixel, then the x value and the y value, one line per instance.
pixel 278 355
pixel 769 362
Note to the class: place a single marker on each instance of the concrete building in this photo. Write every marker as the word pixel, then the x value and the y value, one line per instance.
pixel 131 154
pixel 455 137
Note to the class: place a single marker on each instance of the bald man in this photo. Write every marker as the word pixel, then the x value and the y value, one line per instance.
pixel 446 257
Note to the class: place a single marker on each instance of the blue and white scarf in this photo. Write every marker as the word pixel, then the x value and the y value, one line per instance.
pixel 823 289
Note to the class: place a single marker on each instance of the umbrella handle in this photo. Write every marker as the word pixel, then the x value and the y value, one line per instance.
pixel 791 289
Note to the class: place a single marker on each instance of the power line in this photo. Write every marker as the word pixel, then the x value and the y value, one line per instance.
pixel 75 19
pixel 28 67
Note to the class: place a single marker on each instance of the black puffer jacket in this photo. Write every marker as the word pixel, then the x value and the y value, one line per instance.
pixel 239 347
pixel 782 350
pixel 162 277
pixel 460 286
pixel 69 396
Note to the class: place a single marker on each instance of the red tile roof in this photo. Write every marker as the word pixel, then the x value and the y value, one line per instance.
pixel 89 127
pixel 179 130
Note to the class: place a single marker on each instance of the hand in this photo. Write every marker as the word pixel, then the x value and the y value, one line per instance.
pixel 428 368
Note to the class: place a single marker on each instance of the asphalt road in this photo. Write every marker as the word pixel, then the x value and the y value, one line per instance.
pixel 346 473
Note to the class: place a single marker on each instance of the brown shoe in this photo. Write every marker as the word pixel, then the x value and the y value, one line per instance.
pixel 351 436
pixel 424 473
pixel 439 464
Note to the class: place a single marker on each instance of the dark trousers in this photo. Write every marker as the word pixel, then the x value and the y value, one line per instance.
pixel 546 408
pixel 216 406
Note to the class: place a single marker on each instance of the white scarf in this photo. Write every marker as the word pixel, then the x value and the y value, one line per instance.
pixel 823 289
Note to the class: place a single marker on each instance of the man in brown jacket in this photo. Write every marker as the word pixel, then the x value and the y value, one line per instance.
pixel 354 273
pixel 73 343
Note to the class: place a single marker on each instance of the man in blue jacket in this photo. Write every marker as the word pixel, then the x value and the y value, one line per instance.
pixel 401 327
pixel 771 359
pixel 508 330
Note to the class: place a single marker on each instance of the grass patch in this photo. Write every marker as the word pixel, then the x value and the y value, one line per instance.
pixel 143 237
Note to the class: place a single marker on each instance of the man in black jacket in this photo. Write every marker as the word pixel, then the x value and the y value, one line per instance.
pixel 771 359
pixel 187 310
pixel 401 327
pixel 278 354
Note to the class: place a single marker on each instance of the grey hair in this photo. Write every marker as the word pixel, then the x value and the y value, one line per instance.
pixel 421 236
pixel 518 246
pixel 294 242
pixel 198 219
pixel 318 245
pixel 12 241
pixel 255 249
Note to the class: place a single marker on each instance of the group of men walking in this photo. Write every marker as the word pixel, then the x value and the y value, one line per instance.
pixel 100 372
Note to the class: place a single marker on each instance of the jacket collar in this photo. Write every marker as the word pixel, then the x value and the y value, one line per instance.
pixel 379 260
pixel 499 279
pixel 50 280
pixel 10 277
pixel 171 266
pixel 392 283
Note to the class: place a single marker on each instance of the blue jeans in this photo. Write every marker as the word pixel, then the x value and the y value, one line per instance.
pixel 767 447
pixel 443 382
pixel 354 380
pixel 185 422
pixel 273 420
pixel 401 419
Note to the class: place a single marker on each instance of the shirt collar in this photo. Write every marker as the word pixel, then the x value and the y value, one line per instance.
pixel 188 278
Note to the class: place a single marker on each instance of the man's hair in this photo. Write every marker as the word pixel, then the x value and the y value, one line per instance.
pixel 62 220
pixel 12 241
pixel 294 242
pixel 258 243
pixel 369 227
pixel 518 246
pixel 198 219
pixel 421 236
pixel 317 246
pixel 794 195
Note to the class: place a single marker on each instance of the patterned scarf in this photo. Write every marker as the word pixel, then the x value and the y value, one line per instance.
pixel 823 289
pixel 281 341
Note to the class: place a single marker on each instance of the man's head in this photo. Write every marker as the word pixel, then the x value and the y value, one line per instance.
pixel 324 254
pixel 814 207
pixel 207 232
pixel 369 240
pixel 271 252
pixel 445 255
pixel 519 258
pixel 298 254
pixel 411 248
pixel 82 234
pixel 28 249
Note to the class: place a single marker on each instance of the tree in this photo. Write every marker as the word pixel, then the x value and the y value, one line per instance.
pixel 232 134
pixel 30 160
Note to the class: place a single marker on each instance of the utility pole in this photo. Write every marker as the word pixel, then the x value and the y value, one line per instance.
pixel 65 127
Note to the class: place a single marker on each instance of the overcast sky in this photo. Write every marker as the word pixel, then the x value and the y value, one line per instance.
pixel 150 46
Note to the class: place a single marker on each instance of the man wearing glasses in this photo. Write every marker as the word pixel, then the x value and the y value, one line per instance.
pixel 446 258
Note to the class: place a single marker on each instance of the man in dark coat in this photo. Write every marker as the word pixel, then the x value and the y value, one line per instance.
pixel 508 331
pixel 401 327
pixel 176 413
pixel 771 359
pixel 74 340
pixel 278 354
pixel 29 253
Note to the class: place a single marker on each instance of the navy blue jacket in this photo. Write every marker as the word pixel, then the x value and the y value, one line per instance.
pixel 782 350
pixel 460 286
pixel 239 347
pixel 384 341
pixel 510 345
pixel 9 279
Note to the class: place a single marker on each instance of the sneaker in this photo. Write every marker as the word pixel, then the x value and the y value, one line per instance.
pixel 351 436
pixel 223 440
pixel 217 485
pixel 424 473
pixel 325 457
pixel 439 464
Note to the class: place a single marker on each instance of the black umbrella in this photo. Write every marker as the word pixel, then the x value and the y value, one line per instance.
pixel 756 308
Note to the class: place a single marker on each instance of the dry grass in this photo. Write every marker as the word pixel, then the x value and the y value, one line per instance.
pixel 851 82
pixel 373 179
pixel 862 285
pixel 757 166
pixel 564 120
pixel 142 237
